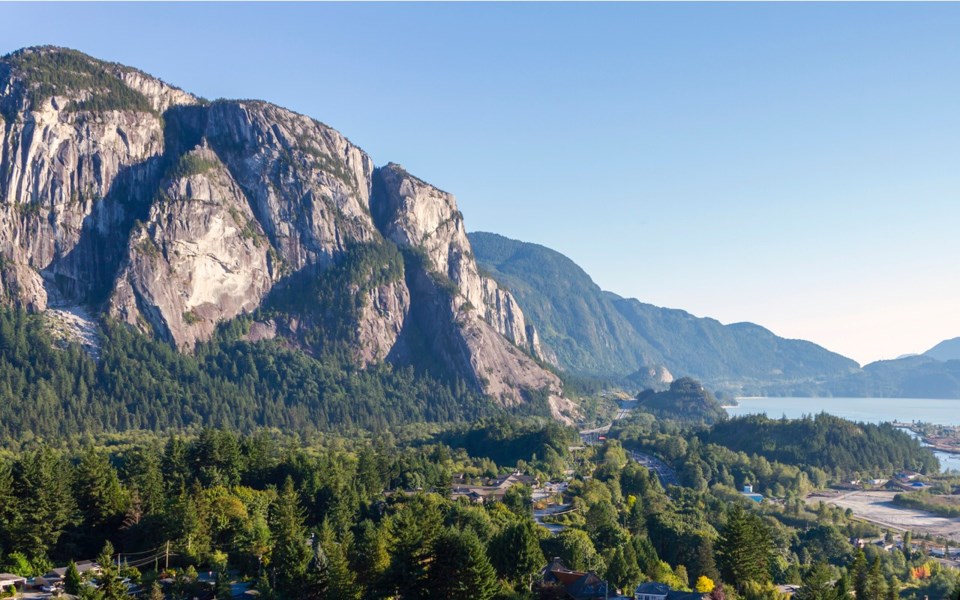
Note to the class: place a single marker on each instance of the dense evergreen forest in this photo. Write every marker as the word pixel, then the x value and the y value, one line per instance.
pixel 354 518
pixel 825 441
pixel 142 383
pixel 328 510
pixel 778 457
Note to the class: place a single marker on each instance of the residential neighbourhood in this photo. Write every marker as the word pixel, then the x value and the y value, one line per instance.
pixel 491 490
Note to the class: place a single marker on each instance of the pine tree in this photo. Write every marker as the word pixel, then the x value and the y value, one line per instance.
pixel 876 586
pixel 99 494
pixel 176 471
pixel 265 589
pixel 8 505
pixel 317 584
pixel 858 572
pixel 414 528
pixel 369 558
pixel 744 549
pixel 48 509
pixel 623 571
pixel 108 581
pixel 71 579
pixel 343 584
pixel 290 550
pixel 817 584
pixel 460 568
pixel 156 593
pixel 515 553
pixel 142 472
pixel 576 550
pixel 842 588
pixel 893 588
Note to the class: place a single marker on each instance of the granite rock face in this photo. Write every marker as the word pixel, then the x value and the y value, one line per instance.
pixel 414 214
pixel 199 259
pixel 480 326
pixel 128 196
pixel 307 184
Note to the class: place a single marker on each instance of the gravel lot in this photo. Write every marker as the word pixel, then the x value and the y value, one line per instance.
pixel 878 507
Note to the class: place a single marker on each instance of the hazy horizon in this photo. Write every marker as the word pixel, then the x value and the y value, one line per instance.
pixel 792 165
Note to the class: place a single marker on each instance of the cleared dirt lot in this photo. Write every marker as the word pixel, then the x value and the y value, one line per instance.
pixel 878 507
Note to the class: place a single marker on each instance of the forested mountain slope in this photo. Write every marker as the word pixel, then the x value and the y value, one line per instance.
pixel 598 333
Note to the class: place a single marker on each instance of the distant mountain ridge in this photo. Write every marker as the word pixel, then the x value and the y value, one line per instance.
pixel 588 331
pixel 597 333
pixel 911 377
pixel 945 350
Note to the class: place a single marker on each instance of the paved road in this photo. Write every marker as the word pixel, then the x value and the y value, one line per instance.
pixel 664 472
pixel 553 509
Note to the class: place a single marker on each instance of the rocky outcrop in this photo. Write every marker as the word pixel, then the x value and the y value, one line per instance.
pixel 381 321
pixel 72 179
pixel 477 326
pixel 23 284
pixel 308 185
pixel 505 316
pixel 200 259
pixel 131 197
pixel 413 213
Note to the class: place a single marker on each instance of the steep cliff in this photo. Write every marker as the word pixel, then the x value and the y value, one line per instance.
pixel 199 259
pixel 128 196
pixel 80 152
pixel 479 326
pixel 414 214
pixel 309 187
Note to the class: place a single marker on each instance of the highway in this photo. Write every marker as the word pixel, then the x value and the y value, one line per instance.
pixel 664 472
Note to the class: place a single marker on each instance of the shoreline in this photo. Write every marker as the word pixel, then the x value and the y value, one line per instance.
pixel 939 447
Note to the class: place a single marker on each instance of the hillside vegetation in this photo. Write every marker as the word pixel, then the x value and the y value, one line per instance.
pixel 826 441
pixel 142 383
pixel 686 400
pixel 593 332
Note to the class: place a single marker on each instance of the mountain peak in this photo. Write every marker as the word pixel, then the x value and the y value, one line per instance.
pixel 945 350
pixel 44 73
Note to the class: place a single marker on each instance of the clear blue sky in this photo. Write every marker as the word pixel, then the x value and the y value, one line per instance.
pixel 795 165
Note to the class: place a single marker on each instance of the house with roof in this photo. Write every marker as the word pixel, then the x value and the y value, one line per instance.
pixel 9 581
pixel 573 585
pixel 55 577
pixel 749 493
pixel 491 491
pixel 652 590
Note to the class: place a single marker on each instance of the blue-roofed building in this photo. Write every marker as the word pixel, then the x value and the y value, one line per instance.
pixel 749 493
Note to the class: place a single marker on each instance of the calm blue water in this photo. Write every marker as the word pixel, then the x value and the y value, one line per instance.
pixel 869 410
